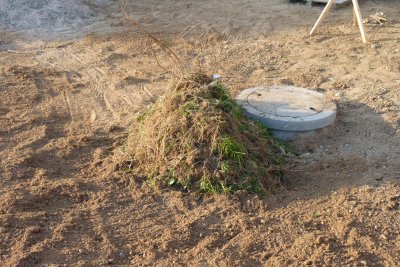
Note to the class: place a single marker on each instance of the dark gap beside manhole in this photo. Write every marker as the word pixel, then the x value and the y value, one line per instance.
pixel 305 2
pixel 317 4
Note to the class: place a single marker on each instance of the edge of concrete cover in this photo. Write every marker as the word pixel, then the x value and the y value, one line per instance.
pixel 288 108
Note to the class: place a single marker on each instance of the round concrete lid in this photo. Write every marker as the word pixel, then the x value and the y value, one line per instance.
pixel 288 108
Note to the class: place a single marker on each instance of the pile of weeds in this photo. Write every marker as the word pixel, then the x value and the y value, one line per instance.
pixel 197 138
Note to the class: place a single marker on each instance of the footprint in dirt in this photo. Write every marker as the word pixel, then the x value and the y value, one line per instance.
pixel 131 80
pixel 116 58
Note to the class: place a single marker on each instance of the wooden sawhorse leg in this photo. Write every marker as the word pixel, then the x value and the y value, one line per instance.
pixel 357 11
pixel 356 17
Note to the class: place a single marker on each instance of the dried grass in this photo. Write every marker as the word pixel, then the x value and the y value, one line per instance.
pixel 198 138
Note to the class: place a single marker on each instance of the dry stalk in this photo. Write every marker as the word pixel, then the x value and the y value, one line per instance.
pixel 168 51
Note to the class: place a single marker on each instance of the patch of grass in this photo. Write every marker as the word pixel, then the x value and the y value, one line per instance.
pixel 243 127
pixel 151 181
pixel 225 166
pixel 230 149
pixel 225 102
pixel 214 186
pixel 218 91
pixel 266 132
pixel 251 184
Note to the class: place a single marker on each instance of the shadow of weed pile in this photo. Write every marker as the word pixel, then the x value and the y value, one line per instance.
pixel 196 138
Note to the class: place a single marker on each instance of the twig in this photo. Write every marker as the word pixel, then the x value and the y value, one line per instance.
pixel 165 48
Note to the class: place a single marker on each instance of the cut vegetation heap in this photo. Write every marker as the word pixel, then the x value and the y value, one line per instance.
pixel 197 138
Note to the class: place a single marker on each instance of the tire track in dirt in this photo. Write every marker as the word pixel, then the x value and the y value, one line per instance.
pixel 81 102
pixel 99 103
pixel 67 102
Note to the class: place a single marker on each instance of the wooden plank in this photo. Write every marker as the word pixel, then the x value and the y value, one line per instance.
pixel 356 13
pixel 322 17
pixel 354 18
pixel 359 20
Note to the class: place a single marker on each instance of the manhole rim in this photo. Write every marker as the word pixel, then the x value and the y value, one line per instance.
pixel 286 123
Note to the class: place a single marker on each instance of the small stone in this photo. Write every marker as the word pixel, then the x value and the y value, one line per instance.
pixel 122 255
pixel 375 46
pixel 262 221
pixel 216 76
pixel 201 235
pixel 363 262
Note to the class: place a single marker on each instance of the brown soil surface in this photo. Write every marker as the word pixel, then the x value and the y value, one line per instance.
pixel 66 106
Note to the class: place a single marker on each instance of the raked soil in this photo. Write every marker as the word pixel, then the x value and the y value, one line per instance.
pixel 69 96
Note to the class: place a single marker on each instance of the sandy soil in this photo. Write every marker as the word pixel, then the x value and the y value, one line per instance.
pixel 67 104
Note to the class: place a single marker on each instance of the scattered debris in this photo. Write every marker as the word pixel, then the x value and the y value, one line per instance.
pixel 378 18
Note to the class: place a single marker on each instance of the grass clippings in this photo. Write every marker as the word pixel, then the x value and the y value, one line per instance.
pixel 197 138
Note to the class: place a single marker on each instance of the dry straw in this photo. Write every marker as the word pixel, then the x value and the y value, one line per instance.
pixel 196 138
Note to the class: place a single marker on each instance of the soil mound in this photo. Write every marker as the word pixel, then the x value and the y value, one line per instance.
pixel 198 138
pixel 48 17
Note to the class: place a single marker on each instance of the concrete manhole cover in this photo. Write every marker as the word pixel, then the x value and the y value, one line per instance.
pixel 288 108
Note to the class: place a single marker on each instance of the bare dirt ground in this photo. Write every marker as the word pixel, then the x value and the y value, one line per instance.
pixel 68 98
